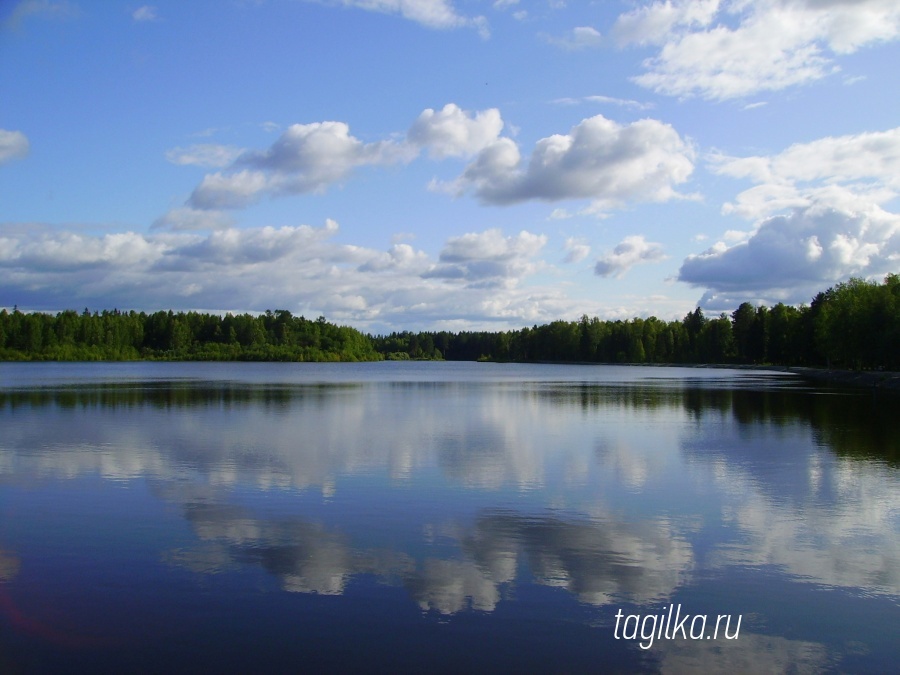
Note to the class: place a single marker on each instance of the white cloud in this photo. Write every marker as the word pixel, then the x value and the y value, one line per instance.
pixel 873 155
pixel 230 191
pixel 488 258
pixel 581 37
pixel 305 158
pixel 736 235
pixel 726 49
pixel 439 14
pixel 398 256
pixel 632 250
pixel 145 13
pixel 476 283
pixel 655 22
pixel 13 145
pixel 598 159
pixel 791 257
pixel 204 154
pixel 853 173
pixel 320 153
pixel 66 252
pixel 576 250
pixel 453 132
pixel 819 218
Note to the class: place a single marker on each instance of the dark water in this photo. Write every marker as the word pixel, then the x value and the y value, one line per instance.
pixel 440 517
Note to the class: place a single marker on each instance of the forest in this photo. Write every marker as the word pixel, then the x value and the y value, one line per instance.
pixel 852 325
pixel 184 336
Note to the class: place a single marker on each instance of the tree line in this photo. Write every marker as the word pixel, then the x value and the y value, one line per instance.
pixel 114 335
pixel 854 325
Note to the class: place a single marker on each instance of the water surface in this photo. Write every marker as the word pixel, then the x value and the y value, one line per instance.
pixel 444 517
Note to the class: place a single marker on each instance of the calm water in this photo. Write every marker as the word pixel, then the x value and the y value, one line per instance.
pixel 440 517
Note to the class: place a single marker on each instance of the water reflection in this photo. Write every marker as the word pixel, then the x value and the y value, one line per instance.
pixel 464 494
pixel 752 653
pixel 596 560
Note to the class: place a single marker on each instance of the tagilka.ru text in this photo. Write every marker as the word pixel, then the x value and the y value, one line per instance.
pixel 671 624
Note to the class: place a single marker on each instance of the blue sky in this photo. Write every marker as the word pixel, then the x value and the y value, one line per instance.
pixel 446 164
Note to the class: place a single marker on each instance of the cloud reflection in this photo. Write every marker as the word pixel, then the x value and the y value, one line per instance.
pixel 749 654
pixel 597 473
pixel 598 561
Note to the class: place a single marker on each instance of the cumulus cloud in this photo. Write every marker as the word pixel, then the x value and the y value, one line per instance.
pixel 632 251
pixel 231 190
pixel 721 49
pixel 439 14
pixel 865 165
pixel 600 160
pixel 488 258
pixel 653 23
pixel 399 256
pixel 608 163
pixel 13 145
pixel 576 250
pixel 322 152
pixel 476 283
pixel 791 257
pixel 310 158
pixel 838 159
pixel 305 158
pixel 67 251
pixel 819 218
pixel 453 132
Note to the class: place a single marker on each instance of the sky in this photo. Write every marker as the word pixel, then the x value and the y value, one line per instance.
pixel 446 164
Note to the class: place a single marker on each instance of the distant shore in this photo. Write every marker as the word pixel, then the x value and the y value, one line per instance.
pixel 869 379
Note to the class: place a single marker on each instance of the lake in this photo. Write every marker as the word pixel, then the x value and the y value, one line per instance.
pixel 444 517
